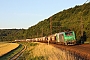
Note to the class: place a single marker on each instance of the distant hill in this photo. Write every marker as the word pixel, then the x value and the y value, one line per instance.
pixel 76 18
pixel 11 34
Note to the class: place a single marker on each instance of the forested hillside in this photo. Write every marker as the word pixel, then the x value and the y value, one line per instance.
pixel 76 18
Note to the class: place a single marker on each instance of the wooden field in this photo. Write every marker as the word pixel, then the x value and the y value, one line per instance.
pixel 7 47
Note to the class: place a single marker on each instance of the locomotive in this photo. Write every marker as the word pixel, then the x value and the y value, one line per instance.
pixel 67 38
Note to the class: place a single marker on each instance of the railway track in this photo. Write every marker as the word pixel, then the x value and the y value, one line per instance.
pixel 15 57
pixel 82 51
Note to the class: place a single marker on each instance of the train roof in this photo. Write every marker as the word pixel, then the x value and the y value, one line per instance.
pixel 64 32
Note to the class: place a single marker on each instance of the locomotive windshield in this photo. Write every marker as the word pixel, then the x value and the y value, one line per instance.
pixel 68 33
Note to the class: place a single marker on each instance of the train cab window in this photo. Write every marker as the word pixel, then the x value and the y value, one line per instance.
pixel 68 33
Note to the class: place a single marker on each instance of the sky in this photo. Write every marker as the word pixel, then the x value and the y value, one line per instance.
pixel 18 14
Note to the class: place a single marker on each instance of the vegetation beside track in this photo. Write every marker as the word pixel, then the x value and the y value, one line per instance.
pixel 40 51
pixel 28 54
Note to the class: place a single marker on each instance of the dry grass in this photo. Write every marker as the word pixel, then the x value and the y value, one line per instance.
pixel 42 51
pixel 7 47
pixel 3 44
pixel 47 51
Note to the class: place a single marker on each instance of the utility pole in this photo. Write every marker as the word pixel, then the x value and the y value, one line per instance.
pixel 37 34
pixel 82 25
pixel 42 32
pixel 51 25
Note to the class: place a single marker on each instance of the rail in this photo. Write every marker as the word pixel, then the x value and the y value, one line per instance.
pixel 15 57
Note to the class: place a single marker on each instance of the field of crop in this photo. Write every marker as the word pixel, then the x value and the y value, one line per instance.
pixel 7 47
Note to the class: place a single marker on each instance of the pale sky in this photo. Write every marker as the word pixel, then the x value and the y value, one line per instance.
pixel 25 13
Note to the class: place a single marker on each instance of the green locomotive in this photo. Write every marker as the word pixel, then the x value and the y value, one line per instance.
pixel 67 38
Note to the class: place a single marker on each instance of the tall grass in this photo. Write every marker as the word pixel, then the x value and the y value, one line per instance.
pixel 28 54
pixel 40 51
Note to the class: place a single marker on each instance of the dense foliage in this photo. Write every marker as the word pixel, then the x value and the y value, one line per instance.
pixel 72 18
pixel 12 34
pixel 76 18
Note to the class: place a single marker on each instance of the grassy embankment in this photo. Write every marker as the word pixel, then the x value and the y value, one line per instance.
pixel 40 51
pixel 37 51
pixel 7 50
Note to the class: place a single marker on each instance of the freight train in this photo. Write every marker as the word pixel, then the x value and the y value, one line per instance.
pixel 65 38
